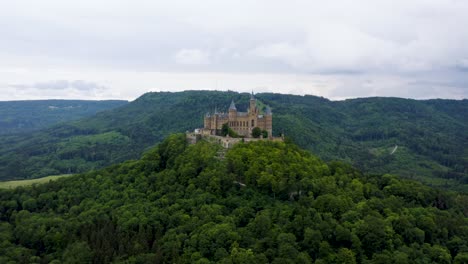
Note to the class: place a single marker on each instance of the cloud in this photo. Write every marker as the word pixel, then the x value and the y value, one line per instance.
pixel 368 47
pixel 192 57
pixel 463 64
pixel 56 89
pixel 53 85
pixel 85 86
pixel 78 85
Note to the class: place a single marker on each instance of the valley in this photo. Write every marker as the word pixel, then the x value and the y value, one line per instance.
pixel 431 135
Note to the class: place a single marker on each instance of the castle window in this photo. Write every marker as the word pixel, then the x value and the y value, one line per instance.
pixel 253 123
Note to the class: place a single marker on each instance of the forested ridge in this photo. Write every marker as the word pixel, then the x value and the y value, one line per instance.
pixel 429 136
pixel 264 202
pixel 25 116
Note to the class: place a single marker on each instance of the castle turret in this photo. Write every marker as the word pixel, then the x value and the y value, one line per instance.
pixel 253 104
pixel 232 111
pixel 207 120
pixel 269 121
pixel 267 110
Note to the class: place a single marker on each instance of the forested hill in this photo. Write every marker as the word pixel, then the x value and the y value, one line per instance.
pixel 425 140
pixel 264 202
pixel 25 116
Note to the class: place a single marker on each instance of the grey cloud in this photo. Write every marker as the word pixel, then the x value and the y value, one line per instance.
pixel 53 85
pixel 85 86
pixel 462 65
pixel 407 41
pixel 147 35
pixel 79 85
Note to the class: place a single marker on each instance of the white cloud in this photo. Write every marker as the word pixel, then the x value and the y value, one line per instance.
pixel 343 40
pixel 192 57
pixel 79 85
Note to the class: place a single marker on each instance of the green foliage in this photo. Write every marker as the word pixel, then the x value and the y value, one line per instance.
pixel 264 202
pixel 226 130
pixel 76 253
pixel 256 132
pixel 25 116
pixel 430 135
pixel 24 183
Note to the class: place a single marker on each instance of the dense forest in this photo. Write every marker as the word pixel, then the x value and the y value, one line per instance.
pixel 424 140
pixel 25 116
pixel 261 202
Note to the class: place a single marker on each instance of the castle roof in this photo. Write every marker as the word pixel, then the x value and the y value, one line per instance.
pixel 232 106
pixel 267 110
pixel 252 97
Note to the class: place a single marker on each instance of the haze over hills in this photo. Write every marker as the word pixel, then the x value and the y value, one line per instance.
pixel 24 116
pixel 425 140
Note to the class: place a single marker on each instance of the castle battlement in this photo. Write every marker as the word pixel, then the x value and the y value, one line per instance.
pixel 226 142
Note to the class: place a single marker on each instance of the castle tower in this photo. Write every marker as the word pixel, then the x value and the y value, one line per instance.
pixel 232 111
pixel 214 121
pixel 253 104
pixel 269 121
pixel 207 120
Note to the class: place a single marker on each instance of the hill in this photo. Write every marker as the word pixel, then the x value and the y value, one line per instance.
pixel 264 202
pixel 15 184
pixel 424 140
pixel 24 116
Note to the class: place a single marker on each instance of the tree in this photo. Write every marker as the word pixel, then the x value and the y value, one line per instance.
pixel 78 252
pixel 183 204
pixel 256 132
pixel 225 129
pixel 345 256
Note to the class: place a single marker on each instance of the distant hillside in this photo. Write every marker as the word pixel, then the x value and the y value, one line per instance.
pixel 25 116
pixel 425 140
pixel 265 202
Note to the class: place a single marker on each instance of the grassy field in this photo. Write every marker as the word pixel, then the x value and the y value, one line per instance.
pixel 14 184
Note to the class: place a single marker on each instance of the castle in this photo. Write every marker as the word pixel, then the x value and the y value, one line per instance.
pixel 240 122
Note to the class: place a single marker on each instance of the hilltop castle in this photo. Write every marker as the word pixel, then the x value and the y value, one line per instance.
pixel 241 122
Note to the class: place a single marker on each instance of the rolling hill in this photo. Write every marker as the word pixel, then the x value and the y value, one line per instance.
pixel 181 203
pixel 25 116
pixel 424 140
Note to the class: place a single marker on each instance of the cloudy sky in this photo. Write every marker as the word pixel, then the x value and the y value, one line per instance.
pixel 338 49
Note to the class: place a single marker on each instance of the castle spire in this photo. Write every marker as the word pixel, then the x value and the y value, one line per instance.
pixel 267 110
pixel 253 104
pixel 232 106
